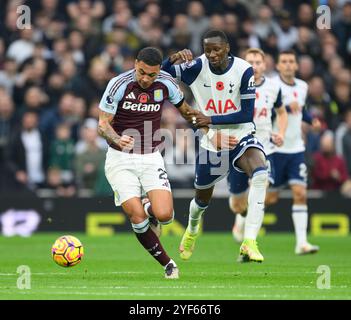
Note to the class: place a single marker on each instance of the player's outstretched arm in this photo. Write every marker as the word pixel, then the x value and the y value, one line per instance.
pixel 182 66
pixel 106 131
pixel 282 122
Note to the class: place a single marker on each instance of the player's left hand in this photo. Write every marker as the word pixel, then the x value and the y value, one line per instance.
pixel 316 124
pixel 277 139
pixel 198 119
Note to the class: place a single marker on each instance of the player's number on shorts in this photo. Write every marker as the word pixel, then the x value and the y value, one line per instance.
pixel 303 171
pixel 163 174
pixel 244 143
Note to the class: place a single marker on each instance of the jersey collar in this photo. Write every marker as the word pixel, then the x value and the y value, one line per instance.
pixel 263 81
pixel 231 61
pixel 288 84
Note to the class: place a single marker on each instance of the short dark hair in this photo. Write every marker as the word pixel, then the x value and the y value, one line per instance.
pixel 151 56
pixel 215 33
pixel 289 51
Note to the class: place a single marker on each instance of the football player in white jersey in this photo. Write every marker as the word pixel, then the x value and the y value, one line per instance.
pixel 268 100
pixel 289 162
pixel 224 91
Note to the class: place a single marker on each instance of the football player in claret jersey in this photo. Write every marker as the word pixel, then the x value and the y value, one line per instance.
pixel 130 114
pixel 289 162
pixel 224 90
pixel 268 99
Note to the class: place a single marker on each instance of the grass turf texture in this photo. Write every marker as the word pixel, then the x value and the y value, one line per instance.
pixel 119 268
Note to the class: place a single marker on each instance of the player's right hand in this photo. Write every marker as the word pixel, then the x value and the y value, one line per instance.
pixel 126 143
pixel 294 107
pixel 182 56
pixel 222 141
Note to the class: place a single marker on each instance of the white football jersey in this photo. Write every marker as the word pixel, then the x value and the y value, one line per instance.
pixel 268 96
pixel 293 141
pixel 219 94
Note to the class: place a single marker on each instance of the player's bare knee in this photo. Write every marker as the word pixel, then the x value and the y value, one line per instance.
pixel 271 198
pixel 238 206
pixel 164 216
pixel 300 196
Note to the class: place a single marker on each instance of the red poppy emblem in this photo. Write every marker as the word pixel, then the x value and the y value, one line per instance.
pixel 220 85
pixel 143 98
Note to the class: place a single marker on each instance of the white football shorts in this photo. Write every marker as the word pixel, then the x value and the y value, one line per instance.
pixel 133 175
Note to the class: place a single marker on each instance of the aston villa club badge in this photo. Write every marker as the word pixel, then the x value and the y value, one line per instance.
pixel 158 95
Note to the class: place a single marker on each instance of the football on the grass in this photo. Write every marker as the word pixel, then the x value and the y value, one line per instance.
pixel 67 251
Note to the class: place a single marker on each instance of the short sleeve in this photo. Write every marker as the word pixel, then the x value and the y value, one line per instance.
pixel 112 95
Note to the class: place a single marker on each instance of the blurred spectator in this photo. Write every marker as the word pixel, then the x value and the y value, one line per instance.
pixel 319 102
pixel 76 45
pixel 329 170
pixel 306 67
pixel 64 112
pixel 68 69
pixel 264 24
pixel 232 31
pixel 346 141
pixel 307 43
pixel 342 97
pixel 29 152
pixel 198 23
pixel 179 35
pixel 57 185
pixel 233 6
pixel 216 22
pixel 121 17
pixel 35 99
pixel 21 49
pixel 305 16
pixel 94 85
pixel 286 32
pixel 8 74
pixel 89 158
pixel 62 152
pixel 93 8
pixel 342 30
pixel 7 123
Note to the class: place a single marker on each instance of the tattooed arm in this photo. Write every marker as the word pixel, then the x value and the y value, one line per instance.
pixel 106 131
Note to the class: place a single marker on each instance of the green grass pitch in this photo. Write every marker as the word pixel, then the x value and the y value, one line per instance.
pixel 118 268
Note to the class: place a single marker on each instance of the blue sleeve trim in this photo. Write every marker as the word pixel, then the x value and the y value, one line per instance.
pixel 248 86
pixel 186 72
pixel 306 116
pixel 278 102
pixel 169 67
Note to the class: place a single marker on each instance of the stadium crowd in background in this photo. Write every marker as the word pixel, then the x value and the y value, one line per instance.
pixel 53 75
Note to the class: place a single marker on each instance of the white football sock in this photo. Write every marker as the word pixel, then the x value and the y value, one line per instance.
pixel 255 209
pixel 239 221
pixel 195 214
pixel 300 219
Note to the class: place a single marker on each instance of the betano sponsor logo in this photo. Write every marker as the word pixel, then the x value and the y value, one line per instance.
pixel 147 107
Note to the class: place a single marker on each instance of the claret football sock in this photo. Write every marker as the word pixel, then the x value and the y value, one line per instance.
pixel 150 242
